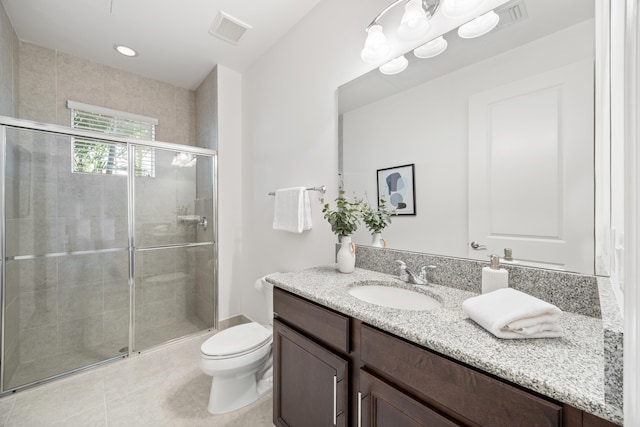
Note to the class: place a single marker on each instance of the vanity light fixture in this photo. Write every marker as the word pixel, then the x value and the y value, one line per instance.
pixel 414 23
pixel 479 26
pixel 376 45
pixel 394 66
pixel 125 50
pixel 459 8
pixel 430 49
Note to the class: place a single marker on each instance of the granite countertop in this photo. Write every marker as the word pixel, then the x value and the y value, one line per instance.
pixel 569 369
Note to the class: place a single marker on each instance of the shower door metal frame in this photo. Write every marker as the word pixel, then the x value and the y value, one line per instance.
pixel 29 125
pixel 134 249
pixel 3 222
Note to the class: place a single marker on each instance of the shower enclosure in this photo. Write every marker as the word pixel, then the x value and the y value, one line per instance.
pixel 100 258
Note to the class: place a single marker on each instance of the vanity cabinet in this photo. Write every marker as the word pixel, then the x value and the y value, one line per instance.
pixel 463 394
pixel 381 404
pixel 330 369
pixel 311 378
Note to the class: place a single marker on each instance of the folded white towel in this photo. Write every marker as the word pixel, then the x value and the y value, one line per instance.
pixel 306 212
pixel 292 210
pixel 508 313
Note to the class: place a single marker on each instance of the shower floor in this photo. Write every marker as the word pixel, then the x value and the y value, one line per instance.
pixel 37 370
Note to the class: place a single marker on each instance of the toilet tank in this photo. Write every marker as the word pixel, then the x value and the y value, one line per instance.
pixel 266 290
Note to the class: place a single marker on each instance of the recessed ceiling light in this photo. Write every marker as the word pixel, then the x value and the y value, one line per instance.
pixel 125 50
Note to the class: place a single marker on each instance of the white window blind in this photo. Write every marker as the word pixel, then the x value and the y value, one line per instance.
pixel 91 156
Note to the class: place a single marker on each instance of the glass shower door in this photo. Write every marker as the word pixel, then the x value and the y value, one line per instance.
pixel 66 293
pixel 174 245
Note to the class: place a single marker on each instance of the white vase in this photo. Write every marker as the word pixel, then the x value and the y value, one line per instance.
pixel 377 241
pixel 346 255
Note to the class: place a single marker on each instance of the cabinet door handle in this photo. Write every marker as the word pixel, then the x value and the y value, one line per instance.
pixel 335 400
pixel 359 409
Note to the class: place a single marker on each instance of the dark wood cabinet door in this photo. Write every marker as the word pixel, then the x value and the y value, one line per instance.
pixel 311 383
pixel 382 405
pixel 459 391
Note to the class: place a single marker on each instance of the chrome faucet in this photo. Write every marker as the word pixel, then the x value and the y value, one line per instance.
pixel 409 276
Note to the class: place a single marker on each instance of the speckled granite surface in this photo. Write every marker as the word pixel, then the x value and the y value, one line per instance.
pixel 568 369
pixel 577 293
pixel 612 323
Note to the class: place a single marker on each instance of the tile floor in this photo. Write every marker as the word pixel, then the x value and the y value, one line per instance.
pixel 163 387
pixel 63 362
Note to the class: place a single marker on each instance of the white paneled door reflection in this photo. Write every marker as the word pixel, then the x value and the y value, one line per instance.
pixel 531 173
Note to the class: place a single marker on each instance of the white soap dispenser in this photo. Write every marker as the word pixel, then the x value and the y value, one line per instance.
pixel 494 277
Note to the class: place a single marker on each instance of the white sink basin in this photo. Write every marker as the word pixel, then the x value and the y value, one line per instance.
pixel 393 297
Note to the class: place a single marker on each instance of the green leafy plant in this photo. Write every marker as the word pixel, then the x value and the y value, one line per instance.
pixel 345 218
pixel 376 219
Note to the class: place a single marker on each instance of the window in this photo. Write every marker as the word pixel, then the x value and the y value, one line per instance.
pixel 91 156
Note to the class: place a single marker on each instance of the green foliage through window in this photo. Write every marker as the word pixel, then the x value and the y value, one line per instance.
pixel 92 156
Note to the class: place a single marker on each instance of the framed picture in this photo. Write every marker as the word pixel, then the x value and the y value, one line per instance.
pixel 396 187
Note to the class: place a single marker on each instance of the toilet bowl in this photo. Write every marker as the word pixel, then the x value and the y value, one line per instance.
pixel 239 360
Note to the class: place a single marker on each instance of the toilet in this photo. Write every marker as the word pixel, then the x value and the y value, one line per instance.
pixel 239 360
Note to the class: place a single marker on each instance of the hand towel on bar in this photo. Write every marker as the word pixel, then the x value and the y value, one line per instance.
pixel 508 313
pixel 292 210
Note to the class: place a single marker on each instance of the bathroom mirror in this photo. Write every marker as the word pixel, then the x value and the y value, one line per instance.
pixel 501 131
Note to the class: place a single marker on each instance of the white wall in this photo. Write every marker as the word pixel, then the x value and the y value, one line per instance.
pixel 9 43
pixel 428 125
pixel 229 191
pixel 631 66
pixel 290 136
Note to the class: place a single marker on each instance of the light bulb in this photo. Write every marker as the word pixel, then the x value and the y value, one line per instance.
pixel 376 46
pixel 414 23
pixel 433 48
pixel 124 50
pixel 479 26
pixel 394 66
pixel 458 8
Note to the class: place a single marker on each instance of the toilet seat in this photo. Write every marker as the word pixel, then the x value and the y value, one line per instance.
pixel 236 341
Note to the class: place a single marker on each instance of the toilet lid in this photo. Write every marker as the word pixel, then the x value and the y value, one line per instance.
pixel 238 339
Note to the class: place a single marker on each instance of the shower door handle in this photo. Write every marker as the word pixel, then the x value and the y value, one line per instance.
pixel 203 223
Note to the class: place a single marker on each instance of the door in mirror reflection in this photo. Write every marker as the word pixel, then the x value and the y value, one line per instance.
pixel 531 169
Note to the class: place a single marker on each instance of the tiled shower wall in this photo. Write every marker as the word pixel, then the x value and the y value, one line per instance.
pixel 9 44
pixel 207 111
pixel 207 137
pixel 64 303
pixel 48 79
pixel 8 67
pixel 80 303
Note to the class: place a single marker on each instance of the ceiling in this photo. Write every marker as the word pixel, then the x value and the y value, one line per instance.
pixel 543 17
pixel 171 36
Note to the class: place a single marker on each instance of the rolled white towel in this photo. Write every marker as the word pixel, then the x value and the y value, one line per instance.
pixel 261 283
pixel 508 313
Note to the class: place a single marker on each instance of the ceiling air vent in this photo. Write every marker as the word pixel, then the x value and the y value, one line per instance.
pixel 228 28
pixel 511 13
